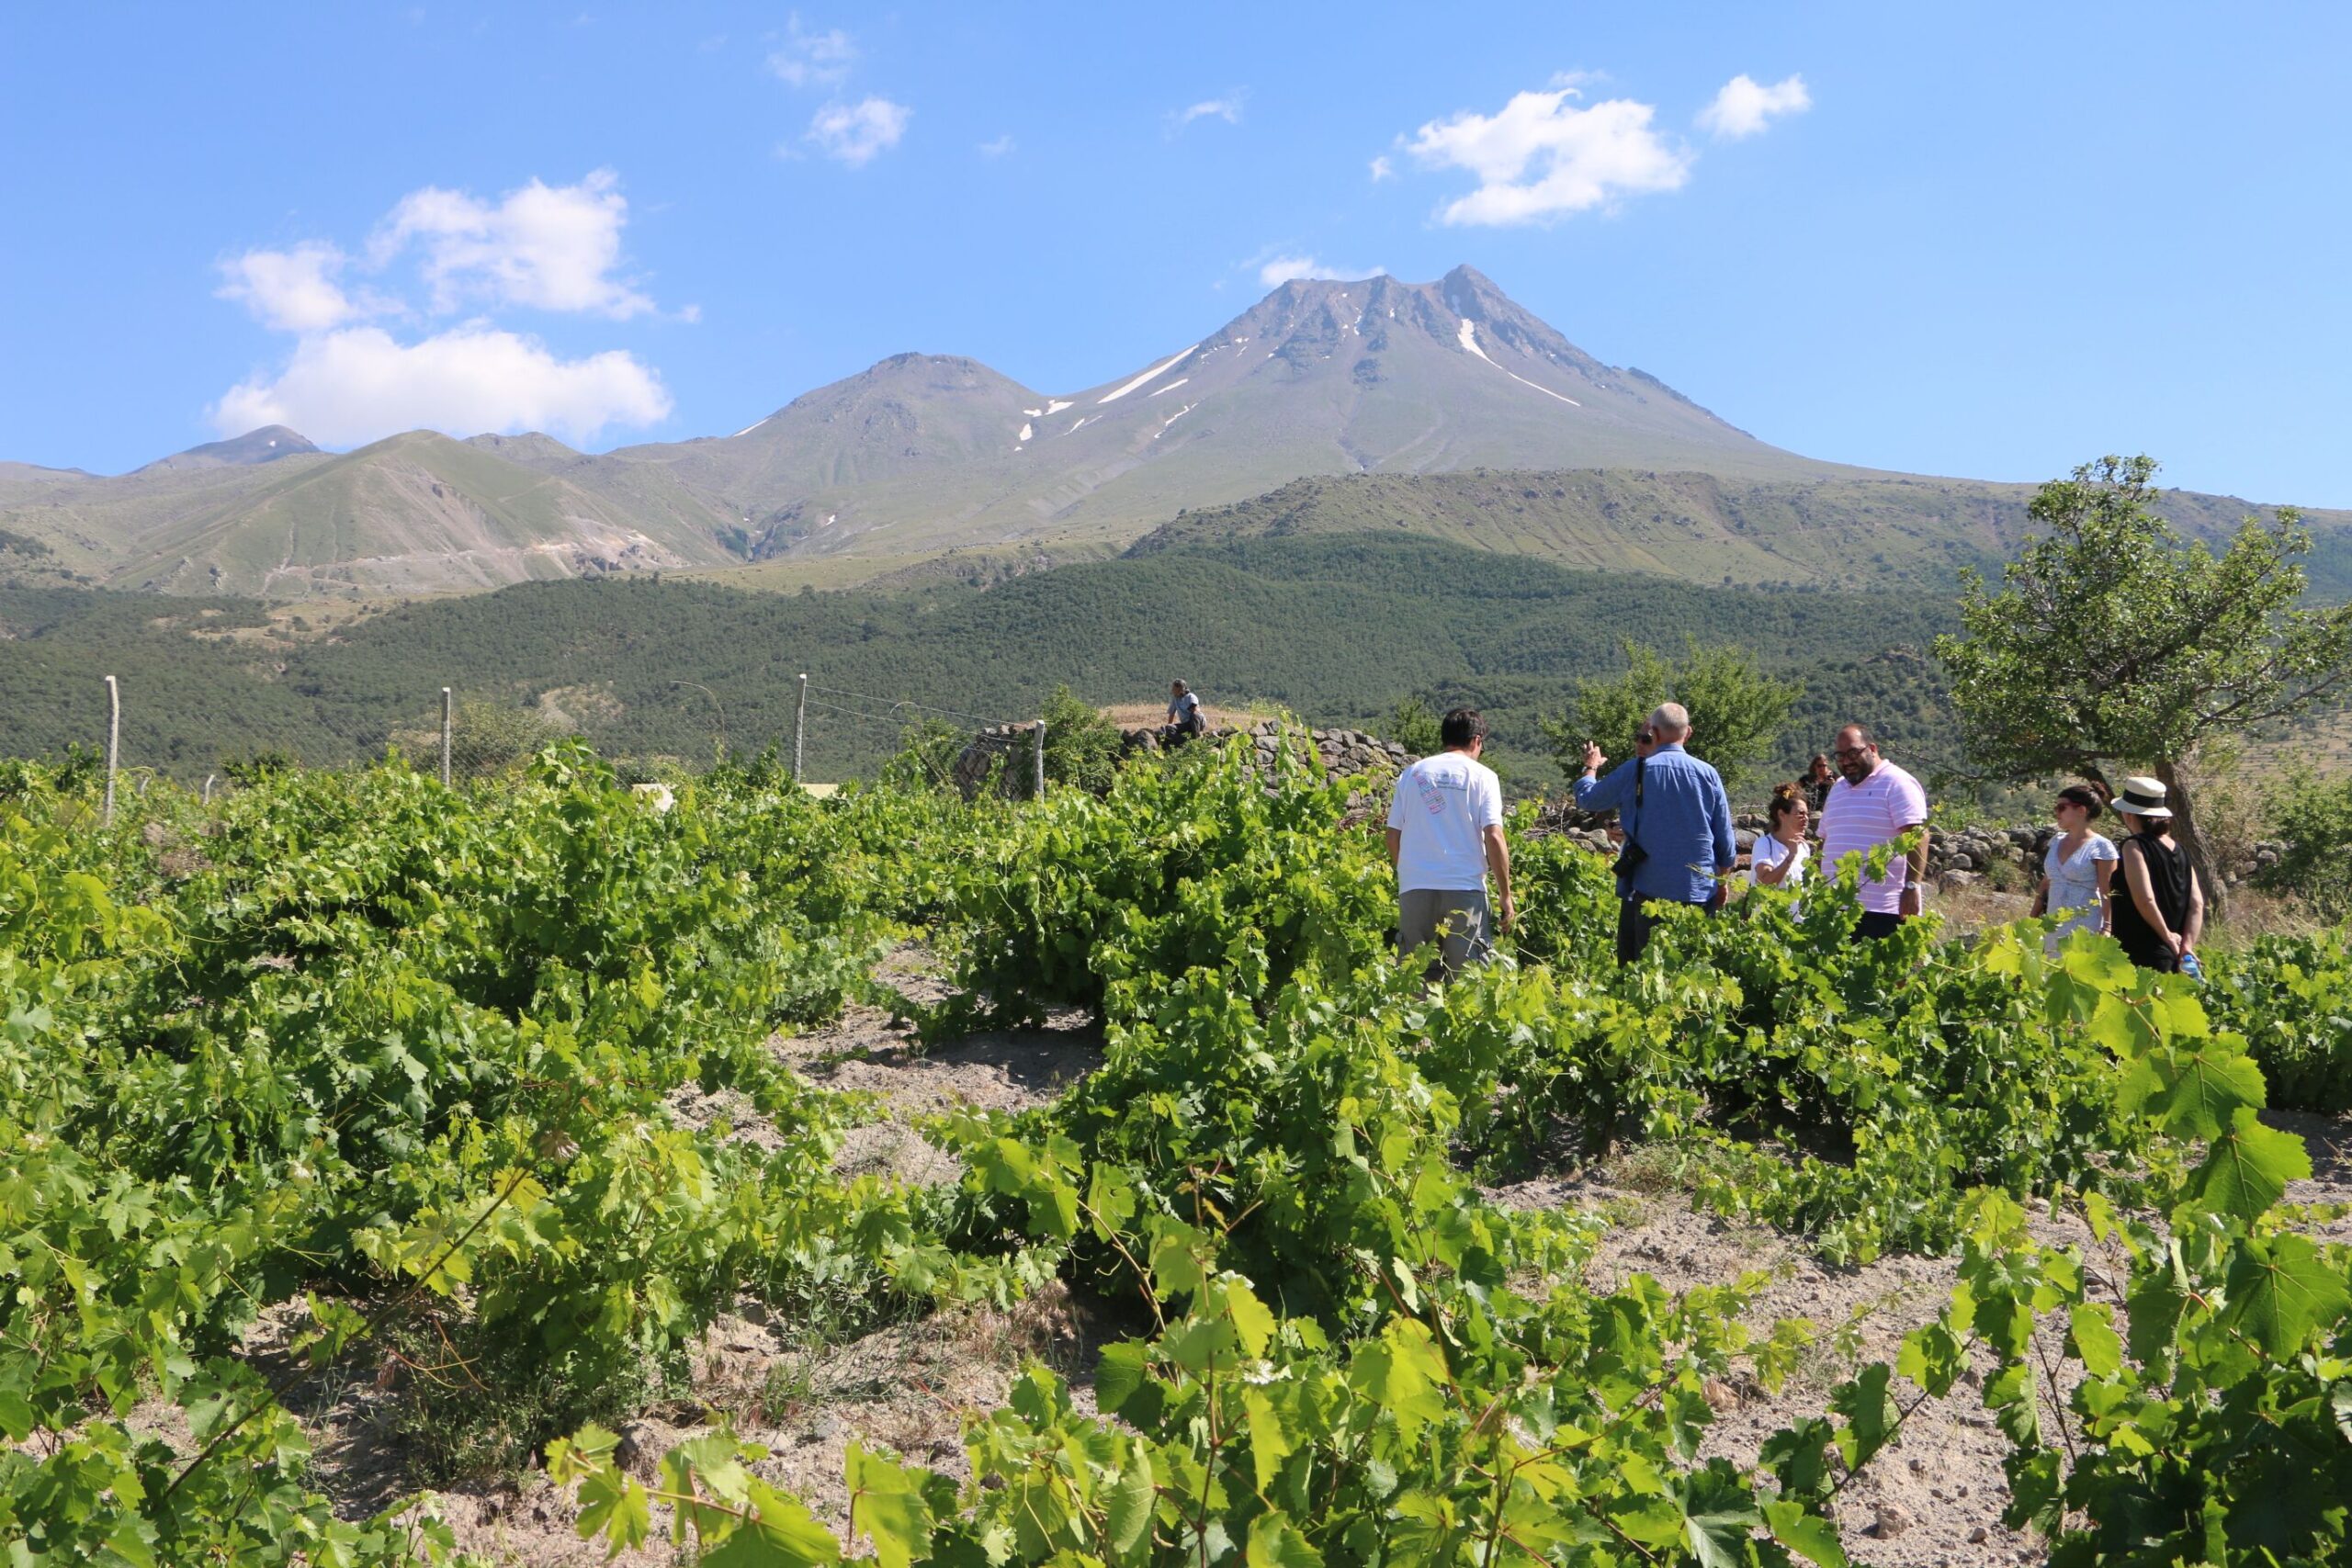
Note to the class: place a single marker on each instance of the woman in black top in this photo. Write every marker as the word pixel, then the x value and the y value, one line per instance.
pixel 2162 916
pixel 1816 784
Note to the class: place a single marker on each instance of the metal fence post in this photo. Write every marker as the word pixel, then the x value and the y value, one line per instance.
pixel 1037 755
pixel 799 729
pixel 114 743
pixel 444 736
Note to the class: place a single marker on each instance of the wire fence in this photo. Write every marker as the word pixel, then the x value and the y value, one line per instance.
pixel 821 734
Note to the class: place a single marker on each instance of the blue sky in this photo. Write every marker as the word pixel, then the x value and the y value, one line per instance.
pixel 1979 241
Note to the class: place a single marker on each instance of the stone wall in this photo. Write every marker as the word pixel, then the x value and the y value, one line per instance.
pixel 1341 753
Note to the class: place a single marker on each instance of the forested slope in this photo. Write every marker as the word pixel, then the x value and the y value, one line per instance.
pixel 1337 627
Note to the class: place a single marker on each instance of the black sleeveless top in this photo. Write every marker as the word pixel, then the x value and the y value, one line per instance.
pixel 2168 884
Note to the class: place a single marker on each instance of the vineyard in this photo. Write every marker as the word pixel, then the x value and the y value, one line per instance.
pixel 492 1110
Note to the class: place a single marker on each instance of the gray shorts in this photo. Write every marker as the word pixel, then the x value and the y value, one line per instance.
pixel 1458 920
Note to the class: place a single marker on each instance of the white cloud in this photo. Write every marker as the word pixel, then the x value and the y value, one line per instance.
pixel 998 148
pixel 813 59
pixel 1743 108
pixel 1542 157
pixel 293 291
pixel 1226 108
pixel 856 133
pixel 540 247
pixel 547 247
pixel 1279 270
pixel 359 384
pixel 1381 168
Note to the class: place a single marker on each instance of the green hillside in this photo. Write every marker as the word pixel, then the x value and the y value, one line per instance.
pixel 1336 627
pixel 1832 533
pixel 415 512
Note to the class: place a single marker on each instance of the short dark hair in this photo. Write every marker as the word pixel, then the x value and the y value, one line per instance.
pixel 1862 729
pixel 2084 796
pixel 1461 726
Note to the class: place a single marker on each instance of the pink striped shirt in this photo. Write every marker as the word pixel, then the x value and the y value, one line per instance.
pixel 1857 818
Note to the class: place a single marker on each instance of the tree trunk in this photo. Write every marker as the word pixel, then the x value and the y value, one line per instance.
pixel 2201 858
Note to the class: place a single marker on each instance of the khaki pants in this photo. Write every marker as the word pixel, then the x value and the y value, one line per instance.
pixel 1456 918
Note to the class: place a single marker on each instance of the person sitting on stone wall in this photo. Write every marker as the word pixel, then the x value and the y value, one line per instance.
pixel 1185 718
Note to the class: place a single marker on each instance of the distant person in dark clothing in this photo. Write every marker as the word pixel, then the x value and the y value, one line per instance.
pixel 1818 776
pixel 1678 824
pixel 2162 916
pixel 1184 716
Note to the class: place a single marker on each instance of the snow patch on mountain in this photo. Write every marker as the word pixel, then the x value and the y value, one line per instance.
pixel 1180 382
pixel 1156 371
pixel 1470 342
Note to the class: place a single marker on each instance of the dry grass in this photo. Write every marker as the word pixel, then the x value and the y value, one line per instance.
pixel 1979 908
pixel 2253 913
pixel 1131 715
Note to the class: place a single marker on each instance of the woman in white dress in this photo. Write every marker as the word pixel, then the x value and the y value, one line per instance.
pixel 2077 868
pixel 1779 856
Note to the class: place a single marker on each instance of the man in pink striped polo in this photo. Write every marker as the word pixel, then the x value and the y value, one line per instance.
pixel 1876 803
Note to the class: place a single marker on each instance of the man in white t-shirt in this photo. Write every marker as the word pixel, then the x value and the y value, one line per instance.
pixel 1876 802
pixel 1445 836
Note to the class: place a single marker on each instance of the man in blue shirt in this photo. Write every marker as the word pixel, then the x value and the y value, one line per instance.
pixel 1674 811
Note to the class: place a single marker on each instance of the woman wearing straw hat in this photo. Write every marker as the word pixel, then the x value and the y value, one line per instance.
pixel 2160 921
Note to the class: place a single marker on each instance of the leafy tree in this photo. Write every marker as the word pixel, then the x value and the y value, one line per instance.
pixel 2113 641
pixel 1737 709
pixel 1081 746
pixel 1413 725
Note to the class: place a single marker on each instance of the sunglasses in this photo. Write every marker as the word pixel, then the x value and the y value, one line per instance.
pixel 1646 738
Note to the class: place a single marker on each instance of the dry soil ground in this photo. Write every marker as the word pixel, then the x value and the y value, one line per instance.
pixel 1934 1499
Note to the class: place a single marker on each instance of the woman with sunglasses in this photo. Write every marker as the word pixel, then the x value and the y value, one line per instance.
pixel 1779 856
pixel 2078 870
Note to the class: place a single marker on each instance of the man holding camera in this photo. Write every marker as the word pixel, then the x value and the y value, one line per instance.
pixel 1676 818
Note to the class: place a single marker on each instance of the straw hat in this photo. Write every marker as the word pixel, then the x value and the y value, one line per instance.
pixel 2143 797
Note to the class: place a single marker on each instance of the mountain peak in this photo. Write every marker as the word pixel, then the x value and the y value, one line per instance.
pixel 1468 277
pixel 266 445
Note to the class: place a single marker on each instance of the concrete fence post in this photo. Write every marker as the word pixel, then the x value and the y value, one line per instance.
pixel 800 730
pixel 1037 757
pixel 207 787
pixel 446 714
pixel 114 743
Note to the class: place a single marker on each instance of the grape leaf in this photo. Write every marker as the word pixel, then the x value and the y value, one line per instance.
pixel 2279 1289
pixel 2248 1167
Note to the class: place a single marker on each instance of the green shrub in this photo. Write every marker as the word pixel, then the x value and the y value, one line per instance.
pixel 2313 816
pixel 2291 996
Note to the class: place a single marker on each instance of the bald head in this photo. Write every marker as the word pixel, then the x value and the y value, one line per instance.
pixel 1672 721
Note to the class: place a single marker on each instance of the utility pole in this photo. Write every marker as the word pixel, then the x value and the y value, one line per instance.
pixel 114 743
pixel 799 729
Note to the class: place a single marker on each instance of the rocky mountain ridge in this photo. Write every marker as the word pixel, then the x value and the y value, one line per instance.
pixel 1385 398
